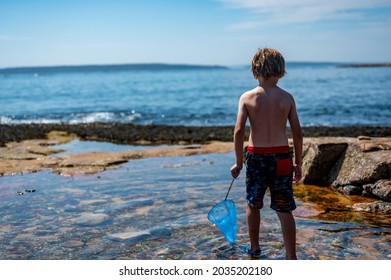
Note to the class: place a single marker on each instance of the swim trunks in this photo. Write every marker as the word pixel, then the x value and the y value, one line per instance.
pixel 270 167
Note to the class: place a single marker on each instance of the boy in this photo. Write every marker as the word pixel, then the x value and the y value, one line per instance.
pixel 268 159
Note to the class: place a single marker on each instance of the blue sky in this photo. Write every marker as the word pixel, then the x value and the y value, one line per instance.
pixel 224 32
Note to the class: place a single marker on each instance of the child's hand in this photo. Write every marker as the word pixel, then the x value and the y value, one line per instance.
pixel 235 170
pixel 297 173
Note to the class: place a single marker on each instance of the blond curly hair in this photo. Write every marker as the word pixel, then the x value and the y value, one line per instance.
pixel 268 63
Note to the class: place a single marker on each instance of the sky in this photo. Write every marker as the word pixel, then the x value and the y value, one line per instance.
pixel 206 32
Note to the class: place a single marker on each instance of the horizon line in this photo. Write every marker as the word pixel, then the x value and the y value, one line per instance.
pixel 140 65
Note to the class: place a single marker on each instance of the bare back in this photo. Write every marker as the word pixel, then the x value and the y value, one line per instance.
pixel 268 110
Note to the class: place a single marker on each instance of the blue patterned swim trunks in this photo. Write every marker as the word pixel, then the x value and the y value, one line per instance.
pixel 270 167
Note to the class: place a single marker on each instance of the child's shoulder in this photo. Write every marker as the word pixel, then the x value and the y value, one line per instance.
pixel 285 93
pixel 249 93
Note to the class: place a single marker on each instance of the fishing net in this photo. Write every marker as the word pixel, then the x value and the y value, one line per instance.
pixel 223 215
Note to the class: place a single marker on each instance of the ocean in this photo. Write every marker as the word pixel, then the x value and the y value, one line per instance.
pixel 156 208
pixel 326 94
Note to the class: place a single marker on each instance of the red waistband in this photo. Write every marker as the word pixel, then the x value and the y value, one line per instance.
pixel 268 150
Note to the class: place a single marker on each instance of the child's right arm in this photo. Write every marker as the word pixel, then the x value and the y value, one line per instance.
pixel 297 141
pixel 239 133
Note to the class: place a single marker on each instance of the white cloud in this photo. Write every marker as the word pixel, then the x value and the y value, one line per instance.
pixel 319 5
pixel 264 12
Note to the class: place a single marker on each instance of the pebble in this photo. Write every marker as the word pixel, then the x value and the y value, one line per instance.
pixel 92 220
pixel 130 236
pixel 161 232
pixel 73 243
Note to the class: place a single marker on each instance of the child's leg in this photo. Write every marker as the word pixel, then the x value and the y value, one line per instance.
pixel 288 227
pixel 253 221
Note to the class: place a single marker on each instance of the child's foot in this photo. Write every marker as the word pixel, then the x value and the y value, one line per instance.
pixel 253 253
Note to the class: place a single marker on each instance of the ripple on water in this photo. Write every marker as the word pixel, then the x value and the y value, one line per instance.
pixel 144 210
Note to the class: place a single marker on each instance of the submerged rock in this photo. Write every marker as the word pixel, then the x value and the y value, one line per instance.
pixel 130 236
pixel 376 206
pixel 92 220
pixel 160 232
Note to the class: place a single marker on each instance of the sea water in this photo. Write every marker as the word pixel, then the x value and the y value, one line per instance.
pixel 325 93
pixel 157 209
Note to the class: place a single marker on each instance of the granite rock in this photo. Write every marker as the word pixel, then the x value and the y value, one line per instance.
pixel 320 156
pixel 344 162
pixel 381 190
pixel 382 207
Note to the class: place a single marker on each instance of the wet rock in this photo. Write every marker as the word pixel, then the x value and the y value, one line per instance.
pixel 90 220
pixel 359 167
pixel 23 166
pixel 92 159
pixel 162 134
pixel 73 243
pixel 30 190
pixel 160 232
pixel 14 162
pixel 93 201
pixel 352 190
pixel 130 236
pixel 376 206
pixel 179 165
pixel 35 148
pixel 368 144
pixel 131 205
pixel 75 170
pixel 347 161
pixel 320 157
pixel 381 190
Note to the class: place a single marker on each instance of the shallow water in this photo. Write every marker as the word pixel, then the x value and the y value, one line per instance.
pixel 78 146
pixel 156 208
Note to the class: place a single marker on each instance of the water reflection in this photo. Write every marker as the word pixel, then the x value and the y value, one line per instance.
pixel 325 204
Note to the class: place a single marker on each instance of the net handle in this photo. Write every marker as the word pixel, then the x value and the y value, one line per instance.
pixel 233 179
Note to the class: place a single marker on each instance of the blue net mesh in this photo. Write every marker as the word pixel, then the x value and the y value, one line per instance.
pixel 223 215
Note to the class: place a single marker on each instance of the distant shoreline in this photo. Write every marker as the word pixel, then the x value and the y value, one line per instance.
pixel 151 67
pixel 105 68
pixel 362 65
pixel 122 133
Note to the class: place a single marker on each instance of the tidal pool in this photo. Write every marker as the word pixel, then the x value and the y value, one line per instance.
pixel 156 208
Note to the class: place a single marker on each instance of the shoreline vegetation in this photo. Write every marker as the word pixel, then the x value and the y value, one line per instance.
pixel 134 134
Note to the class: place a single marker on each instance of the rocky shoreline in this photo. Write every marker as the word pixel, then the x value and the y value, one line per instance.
pixel 351 166
pixel 361 65
pixel 124 133
pixel 352 160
